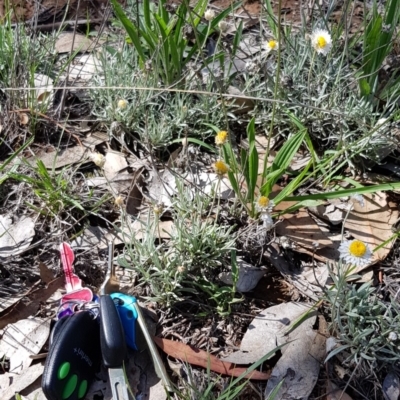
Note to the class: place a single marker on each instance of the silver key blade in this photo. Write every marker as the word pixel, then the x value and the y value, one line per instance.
pixel 119 388
pixel 111 282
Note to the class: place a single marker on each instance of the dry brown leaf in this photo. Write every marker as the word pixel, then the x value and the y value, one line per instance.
pixel 23 118
pixel 135 196
pixel 72 41
pixel 15 236
pixel 302 230
pixel 334 393
pixel 115 163
pixel 243 103
pixel 29 307
pixel 46 275
pixel 201 358
pixel 61 158
pixel 373 223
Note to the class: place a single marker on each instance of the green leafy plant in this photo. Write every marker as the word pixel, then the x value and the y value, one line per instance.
pixel 222 296
pixel 377 44
pixel 54 191
pixel 167 43
pixel 246 170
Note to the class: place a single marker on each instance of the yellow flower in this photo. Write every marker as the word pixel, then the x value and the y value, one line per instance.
pixel 271 45
pixel 221 138
pixel 122 104
pixel 264 204
pixel 355 252
pixel 119 201
pixel 220 167
pixel 98 159
pixel 158 208
pixel 321 40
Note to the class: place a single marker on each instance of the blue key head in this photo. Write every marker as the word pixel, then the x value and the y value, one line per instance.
pixel 127 312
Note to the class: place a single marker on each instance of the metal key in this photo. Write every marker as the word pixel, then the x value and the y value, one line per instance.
pixel 111 286
pixel 112 337
pixel 113 347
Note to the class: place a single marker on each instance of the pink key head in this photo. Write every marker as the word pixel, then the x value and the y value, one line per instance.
pixel 84 294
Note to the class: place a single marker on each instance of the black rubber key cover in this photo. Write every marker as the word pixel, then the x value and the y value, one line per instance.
pixel 76 341
pixel 112 337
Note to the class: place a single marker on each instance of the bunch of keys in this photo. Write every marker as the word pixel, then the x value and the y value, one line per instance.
pixel 92 331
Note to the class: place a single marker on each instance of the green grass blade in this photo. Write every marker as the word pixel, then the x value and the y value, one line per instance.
pixel 130 29
pixel 253 160
pixel 346 192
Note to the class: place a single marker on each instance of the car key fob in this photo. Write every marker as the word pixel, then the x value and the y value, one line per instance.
pixel 74 357
pixel 128 315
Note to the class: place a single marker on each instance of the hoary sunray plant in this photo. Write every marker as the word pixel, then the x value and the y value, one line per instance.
pixel 367 328
pixel 137 114
pixel 196 247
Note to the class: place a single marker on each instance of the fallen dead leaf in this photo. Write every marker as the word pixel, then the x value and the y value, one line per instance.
pixel 161 187
pixel 248 279
pixel 334 393
pixel 16 237
pixel 115 163
pixel 84 67
pixel 71 42
pixel 22 381
pixel 44 88
pixel 21 340
pixel 46 275
pixel 299 365
pixel 267 330
pixel 241 102
pixel 373 224
pixel 201 358
pixel 297 276
pixel 31 303
pixel 61 158
pixel 135 195
pixel 302 230
pixel 120 184
pixel 391 386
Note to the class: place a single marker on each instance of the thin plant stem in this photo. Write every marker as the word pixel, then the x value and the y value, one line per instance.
pixel 278 70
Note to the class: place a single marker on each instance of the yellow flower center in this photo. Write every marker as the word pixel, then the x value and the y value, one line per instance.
pixel 272 44
pixel 220 167
pixel 321 42
pixel 221 138
pixel 263 202
pixel 357 248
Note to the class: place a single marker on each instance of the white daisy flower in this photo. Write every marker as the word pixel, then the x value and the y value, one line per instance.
pixel 355 252
pixel 270 45
pixel 321 40
pixel 264 204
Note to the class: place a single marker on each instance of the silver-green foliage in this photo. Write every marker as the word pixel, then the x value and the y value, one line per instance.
pixel 323 93
pixel 196 246
pixel 154 116
pixel 366 326
pixel 23 54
